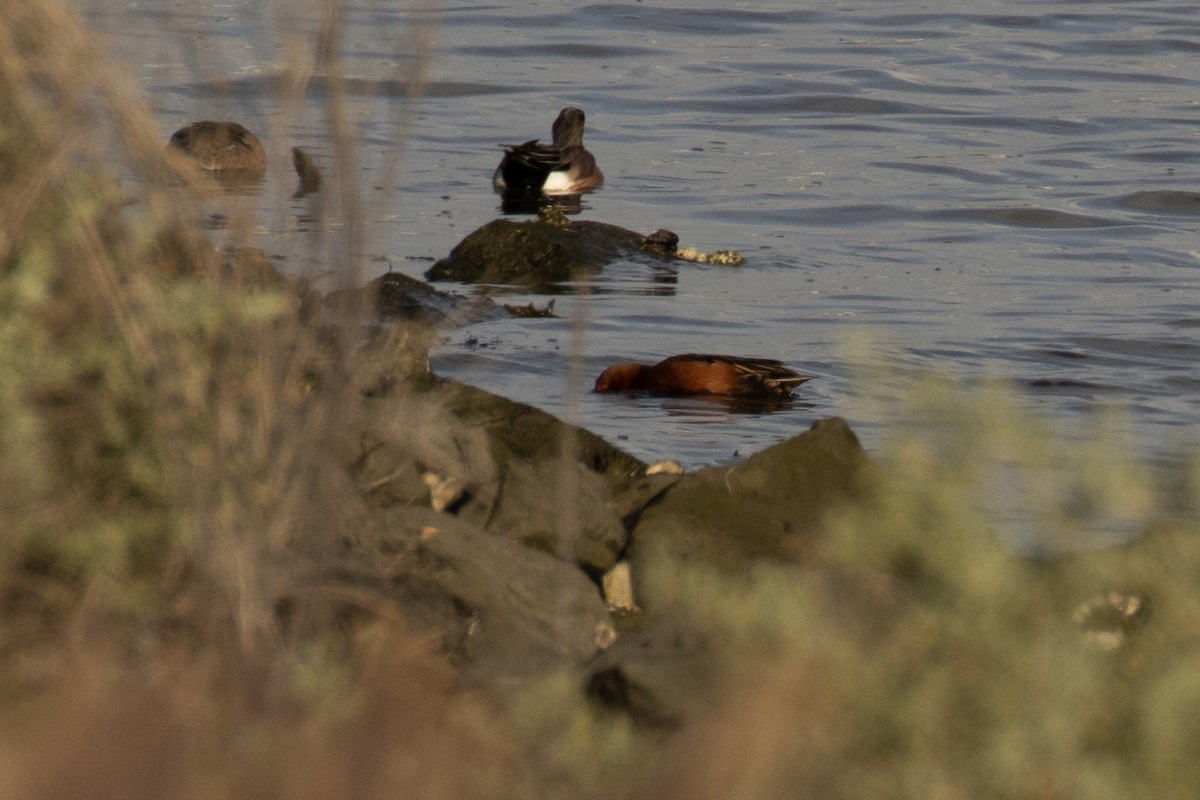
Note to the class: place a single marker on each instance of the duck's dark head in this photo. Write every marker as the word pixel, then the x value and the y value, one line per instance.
pixel 622 377
pixel 182 139
pixel 568 128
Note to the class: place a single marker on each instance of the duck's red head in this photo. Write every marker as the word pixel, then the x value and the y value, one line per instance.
pixel 622 377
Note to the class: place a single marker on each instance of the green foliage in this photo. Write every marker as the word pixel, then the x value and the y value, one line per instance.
pixel 137 391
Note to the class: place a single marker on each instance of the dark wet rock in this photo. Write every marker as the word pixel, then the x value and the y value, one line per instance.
pixel 639 492
pixel 505 459
pixel 397 296
pixel 565 509
pixel 500 610
pixel 518 431
pixel 525 503
pixel 406 438
pixel 666 660
pixel 613 688
pixel 538 252
pixel 763 508
pixel 492 580
pixel 458 430
pixel 656 673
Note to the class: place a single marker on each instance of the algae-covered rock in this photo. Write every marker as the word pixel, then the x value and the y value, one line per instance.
pixel 729 516
pixel 538 252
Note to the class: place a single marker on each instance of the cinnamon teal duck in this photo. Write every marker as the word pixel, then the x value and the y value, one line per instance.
pixel 695 373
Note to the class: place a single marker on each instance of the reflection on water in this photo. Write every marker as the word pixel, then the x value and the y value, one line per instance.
pixel 523 200
pixel 708 408
pixel 1002 190
pixel 1164 201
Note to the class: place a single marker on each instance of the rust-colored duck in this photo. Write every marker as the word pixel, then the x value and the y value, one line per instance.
pixel 695 373
pixel 564 168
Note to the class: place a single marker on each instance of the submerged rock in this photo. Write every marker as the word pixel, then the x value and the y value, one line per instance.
pixel 1164 201
pixel 397 296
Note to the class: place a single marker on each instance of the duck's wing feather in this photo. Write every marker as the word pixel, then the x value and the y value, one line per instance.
pixel 533 155
pixel 766 374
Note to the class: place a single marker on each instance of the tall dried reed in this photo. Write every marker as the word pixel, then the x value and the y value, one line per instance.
pixel 171 470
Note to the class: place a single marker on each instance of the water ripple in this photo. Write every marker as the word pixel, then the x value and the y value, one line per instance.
pixel 986 191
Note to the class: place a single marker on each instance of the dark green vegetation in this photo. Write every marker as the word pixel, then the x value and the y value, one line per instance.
pixel 221 574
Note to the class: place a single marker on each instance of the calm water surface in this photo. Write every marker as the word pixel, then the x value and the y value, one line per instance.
pixel 1003 189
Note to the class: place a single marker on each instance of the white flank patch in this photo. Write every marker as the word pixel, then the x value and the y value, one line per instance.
pixel 557 182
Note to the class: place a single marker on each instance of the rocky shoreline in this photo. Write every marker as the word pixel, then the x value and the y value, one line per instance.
pixel 507 571
pixel 524 546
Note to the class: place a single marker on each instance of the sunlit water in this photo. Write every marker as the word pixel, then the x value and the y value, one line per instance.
pixel 967 188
